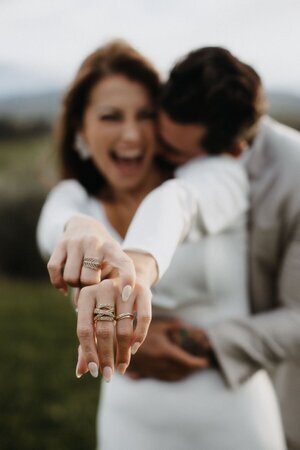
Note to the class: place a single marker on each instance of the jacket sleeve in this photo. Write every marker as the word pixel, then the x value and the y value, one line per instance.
pixel 265 339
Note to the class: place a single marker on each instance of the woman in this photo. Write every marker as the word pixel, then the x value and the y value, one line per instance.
pixel 199 412
pixel 106 143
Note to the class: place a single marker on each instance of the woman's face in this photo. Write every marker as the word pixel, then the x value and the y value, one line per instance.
pixel 119 129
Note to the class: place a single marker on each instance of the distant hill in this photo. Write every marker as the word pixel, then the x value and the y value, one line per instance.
pixel 28 108
pixel 44 107
pixel 285 107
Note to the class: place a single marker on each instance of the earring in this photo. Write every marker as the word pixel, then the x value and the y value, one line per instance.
pixel 81 147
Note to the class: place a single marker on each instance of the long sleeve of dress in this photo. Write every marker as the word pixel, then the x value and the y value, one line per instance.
pixel 66 200
pixel 209 196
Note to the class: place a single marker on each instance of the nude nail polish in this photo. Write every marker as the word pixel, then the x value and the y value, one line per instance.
pixel 78 374
pixel 122 368
pixel 93 368
pixel 126 292
pixel 107 374
pixel 135 348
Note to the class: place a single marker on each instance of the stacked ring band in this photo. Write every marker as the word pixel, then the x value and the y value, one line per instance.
pixel 91 263
pixel 125 316
pixel 104 312
pixel 107 317
pixel 104 307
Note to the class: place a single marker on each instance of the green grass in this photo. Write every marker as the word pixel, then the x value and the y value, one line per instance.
pixel 42 404
pixel 27 163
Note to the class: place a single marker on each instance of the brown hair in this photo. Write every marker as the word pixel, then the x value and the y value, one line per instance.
pixel 212 87
pixel 116 57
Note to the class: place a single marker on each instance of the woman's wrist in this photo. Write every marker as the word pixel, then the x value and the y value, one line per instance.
pixel 145 267
pixel 81 225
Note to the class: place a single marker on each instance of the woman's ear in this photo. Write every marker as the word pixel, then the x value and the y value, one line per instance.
pixel 81 147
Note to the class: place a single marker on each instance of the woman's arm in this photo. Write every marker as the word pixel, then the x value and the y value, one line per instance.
pixel 67 233
pixel 66 230
pixel 210 196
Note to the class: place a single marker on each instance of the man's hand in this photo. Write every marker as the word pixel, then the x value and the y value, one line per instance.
pixel 162 357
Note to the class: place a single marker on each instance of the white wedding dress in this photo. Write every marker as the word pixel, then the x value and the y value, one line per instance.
pixel 205 283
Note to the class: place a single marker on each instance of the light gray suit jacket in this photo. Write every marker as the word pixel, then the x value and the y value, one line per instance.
pixel 270 338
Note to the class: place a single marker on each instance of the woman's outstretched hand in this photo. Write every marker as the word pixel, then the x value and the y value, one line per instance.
pixel 86 254
pixel 105 327
pixel 110 329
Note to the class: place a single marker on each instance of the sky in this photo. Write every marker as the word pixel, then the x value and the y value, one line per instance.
pixel 42 42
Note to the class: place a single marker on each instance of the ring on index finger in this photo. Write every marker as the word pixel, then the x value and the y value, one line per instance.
pixel 91 263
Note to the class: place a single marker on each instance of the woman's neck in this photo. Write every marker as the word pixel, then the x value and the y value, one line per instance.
pixel 120 206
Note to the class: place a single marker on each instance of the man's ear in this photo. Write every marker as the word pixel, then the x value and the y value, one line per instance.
pixel 238 148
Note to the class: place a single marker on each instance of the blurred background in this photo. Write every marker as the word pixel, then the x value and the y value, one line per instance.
pixel 42 42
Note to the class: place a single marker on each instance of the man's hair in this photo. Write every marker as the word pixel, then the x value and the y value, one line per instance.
pixel 212 87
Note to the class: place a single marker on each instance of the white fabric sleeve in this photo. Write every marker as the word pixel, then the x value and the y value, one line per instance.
pixel 209 197
pixel 66 200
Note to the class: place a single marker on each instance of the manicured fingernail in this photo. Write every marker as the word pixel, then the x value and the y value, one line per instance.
pixel 122 368
pixel 93 368
pixel 135 348
pixel 126 293
pixel 78 374
pixel 107 374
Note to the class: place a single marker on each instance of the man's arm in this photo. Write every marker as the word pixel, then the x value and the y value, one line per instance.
pixel 244 346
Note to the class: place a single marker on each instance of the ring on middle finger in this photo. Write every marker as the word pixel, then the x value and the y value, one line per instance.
pixel 104 312
pixel 104 307
pixel 108 317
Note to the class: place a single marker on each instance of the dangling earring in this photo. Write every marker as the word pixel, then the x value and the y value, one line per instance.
pixel 81 147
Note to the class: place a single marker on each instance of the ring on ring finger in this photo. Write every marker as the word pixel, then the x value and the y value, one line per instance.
pixel 91 263
pixel 123 316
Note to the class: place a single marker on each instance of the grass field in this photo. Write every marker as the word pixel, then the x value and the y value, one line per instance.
pixel 42 404
pixel 26 164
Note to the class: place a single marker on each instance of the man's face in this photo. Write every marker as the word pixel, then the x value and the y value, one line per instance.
pixel 181 142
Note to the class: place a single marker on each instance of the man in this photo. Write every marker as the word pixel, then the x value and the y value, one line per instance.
pixel 211 102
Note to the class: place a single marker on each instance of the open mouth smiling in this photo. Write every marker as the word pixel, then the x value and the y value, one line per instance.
pixel 127 160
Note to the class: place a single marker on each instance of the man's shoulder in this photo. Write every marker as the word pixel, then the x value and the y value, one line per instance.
pixel 280 139
pixel 278 147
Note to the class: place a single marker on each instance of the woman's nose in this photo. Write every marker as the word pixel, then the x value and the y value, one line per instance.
pixel 131 132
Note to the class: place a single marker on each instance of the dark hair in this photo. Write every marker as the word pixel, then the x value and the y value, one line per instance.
pixel 116 57
pixel 212 87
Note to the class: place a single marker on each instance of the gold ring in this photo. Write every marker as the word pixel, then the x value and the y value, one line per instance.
pixel 104 312
pixel 104 317
pixel 91 263
pixel 104 307
pixel 125 316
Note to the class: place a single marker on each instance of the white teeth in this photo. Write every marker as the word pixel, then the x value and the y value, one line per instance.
pixel 129 155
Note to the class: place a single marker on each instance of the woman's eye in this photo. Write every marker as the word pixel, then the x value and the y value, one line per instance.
pixel 110 117
pixel 147 115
